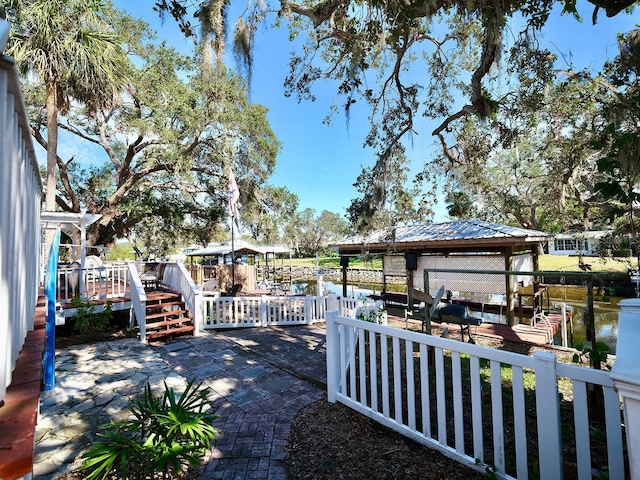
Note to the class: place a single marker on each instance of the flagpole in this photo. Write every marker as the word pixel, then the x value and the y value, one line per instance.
pixel 234 194
pixel 233 253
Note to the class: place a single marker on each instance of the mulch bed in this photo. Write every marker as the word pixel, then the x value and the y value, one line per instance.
pixel 331 441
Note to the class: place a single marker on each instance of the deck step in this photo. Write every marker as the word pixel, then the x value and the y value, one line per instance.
pixel 169 322
pixel 167 313
pixel 542 331
pixel 156 306
pixel 157 297
pixel 170 332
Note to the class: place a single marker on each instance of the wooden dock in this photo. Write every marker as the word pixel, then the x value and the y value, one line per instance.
pixel 521 333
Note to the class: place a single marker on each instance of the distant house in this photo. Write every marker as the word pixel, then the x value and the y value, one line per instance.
pixel 583 243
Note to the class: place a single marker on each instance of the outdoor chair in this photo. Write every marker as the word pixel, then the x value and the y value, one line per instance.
pixel 233 291
pixel 456 314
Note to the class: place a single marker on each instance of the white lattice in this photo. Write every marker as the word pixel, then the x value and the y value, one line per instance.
pixel 471 282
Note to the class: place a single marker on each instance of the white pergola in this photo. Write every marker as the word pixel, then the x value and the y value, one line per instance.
pixel 67 221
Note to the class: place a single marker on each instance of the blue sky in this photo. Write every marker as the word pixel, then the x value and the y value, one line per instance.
pixel 320 162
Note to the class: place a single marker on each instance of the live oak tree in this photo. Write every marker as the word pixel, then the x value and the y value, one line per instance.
pixel 410 59
pixel 268 215
pixel 540 174
pixel 168 141
pixel 309 233
pixel 383 198
pixel 618 138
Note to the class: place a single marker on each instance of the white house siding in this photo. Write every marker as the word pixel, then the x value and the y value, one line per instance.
pixel 587 243
pixel 20 196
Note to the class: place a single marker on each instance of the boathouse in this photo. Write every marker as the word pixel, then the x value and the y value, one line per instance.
pixel 462 245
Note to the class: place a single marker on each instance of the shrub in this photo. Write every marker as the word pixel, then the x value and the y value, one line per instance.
pixel 163 435
pixel 87 320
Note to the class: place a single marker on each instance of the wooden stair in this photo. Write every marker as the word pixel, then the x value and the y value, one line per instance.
pixel 167 315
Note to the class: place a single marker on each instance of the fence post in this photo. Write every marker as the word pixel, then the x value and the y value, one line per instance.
pixel 262 310
pixel 333 303
pixel 563 312
pixel 548 415
pixel 198 315
pixel 309 316
pixel 333 355
pixel 626 376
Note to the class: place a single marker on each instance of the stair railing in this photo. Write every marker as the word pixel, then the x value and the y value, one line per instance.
pixel 540 320
pixel 138 301
pixel 177 278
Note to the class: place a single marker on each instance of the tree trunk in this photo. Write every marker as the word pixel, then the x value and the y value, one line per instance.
pixel 52 147
pixel 52 152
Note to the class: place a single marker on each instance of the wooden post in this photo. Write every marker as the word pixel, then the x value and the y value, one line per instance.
pixel 536 282
pixel 409 292
pixel 384 277
pixel 344 263
pixel 427 317
pixel 508 265
pixel 590 326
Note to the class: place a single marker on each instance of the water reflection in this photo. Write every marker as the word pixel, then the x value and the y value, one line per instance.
pixel 606 309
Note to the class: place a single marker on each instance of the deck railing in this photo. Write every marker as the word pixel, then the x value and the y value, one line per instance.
pixel 486 408
pixel 109 281
pixel 20 231
pixel 138 312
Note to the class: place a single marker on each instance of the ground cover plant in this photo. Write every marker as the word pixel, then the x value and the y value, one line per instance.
pixel 164 437
pixel 86 319
pixel 117 328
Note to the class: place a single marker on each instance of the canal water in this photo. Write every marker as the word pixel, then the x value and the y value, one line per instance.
pixel 606 308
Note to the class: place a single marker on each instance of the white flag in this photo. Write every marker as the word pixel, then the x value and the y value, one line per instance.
pixel 234 193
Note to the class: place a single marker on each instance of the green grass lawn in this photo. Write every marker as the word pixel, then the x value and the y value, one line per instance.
pixel 334 262
pixel 565 263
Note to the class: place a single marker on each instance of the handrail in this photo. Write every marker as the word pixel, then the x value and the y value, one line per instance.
pixel 138 301
pixel 542 318
pixel 8 64
pixel 177 278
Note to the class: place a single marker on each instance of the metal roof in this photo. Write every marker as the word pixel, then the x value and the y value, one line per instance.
pixel 459 235
pixel 239 246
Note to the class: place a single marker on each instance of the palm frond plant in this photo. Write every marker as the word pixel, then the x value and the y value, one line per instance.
pixel 164 435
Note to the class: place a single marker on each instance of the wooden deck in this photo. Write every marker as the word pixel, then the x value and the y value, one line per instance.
pixel 519 333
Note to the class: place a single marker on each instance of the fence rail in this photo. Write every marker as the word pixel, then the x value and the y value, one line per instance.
pixel 482 407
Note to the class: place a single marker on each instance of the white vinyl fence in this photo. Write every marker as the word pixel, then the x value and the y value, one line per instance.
pixel 266 310
pixel 20 231
pixel 483 407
